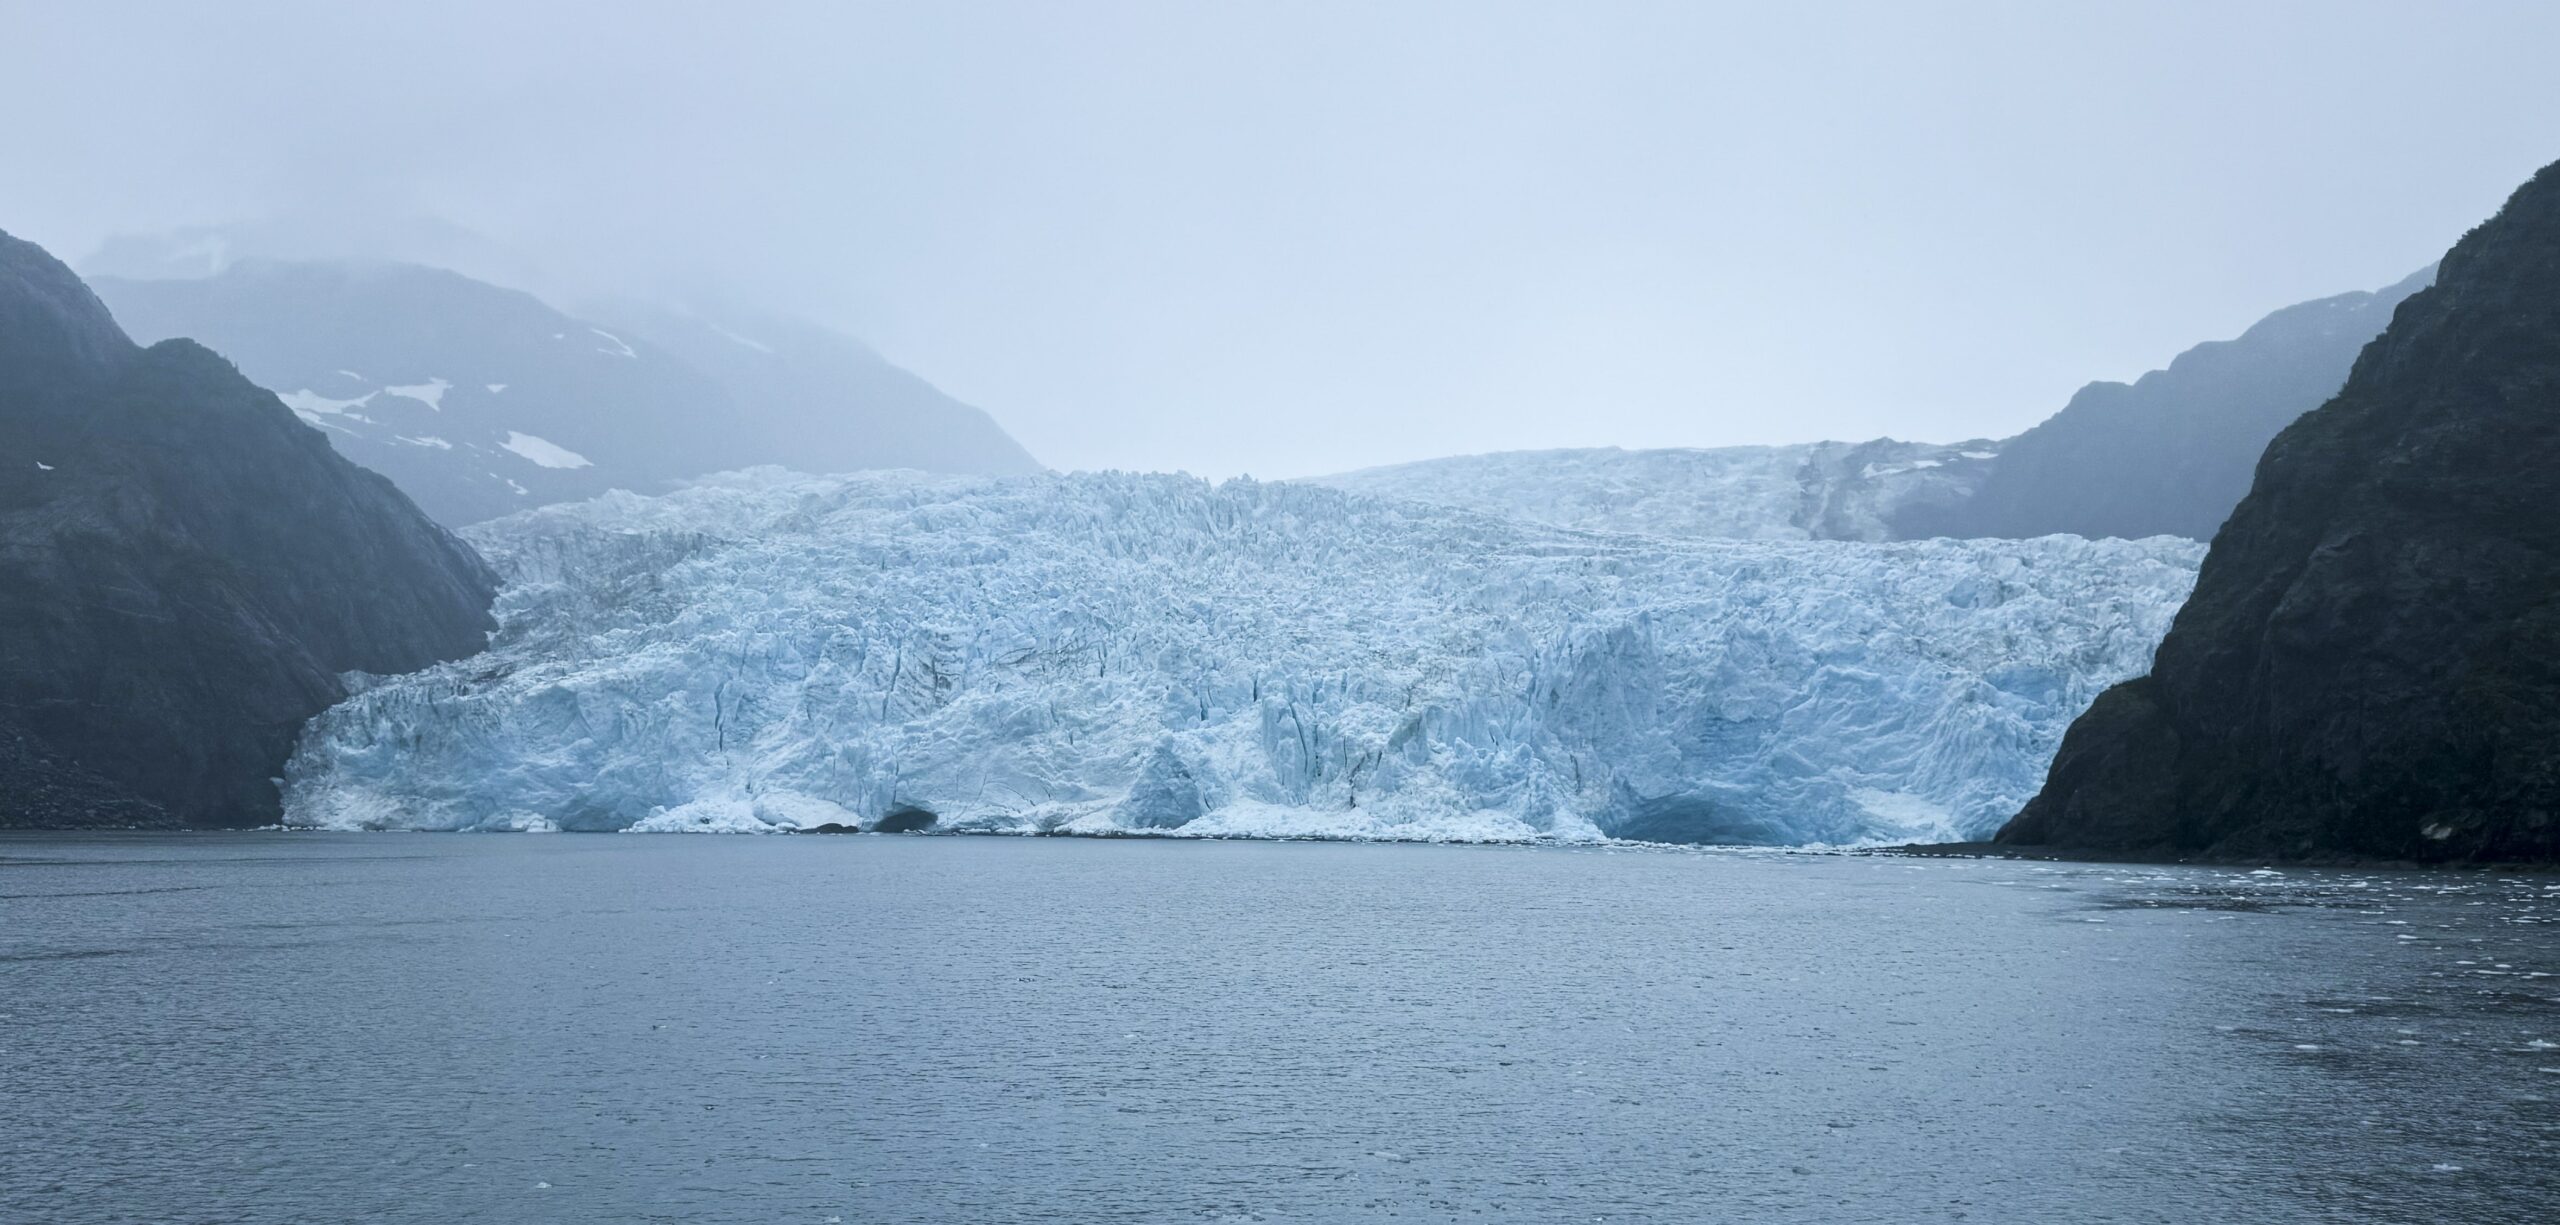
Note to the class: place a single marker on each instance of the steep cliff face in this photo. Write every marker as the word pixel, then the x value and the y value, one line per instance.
pixel 185 569
pixel 2370 664
pixel 2170 453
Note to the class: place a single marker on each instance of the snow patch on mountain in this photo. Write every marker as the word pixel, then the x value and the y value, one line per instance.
pixel 317 409
pixel 543 451
pixel 749 342
pixel 1105 653
pixel 429 393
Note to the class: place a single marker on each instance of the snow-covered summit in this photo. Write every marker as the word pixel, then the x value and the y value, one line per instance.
pixel 1113 652
pixel 1807 491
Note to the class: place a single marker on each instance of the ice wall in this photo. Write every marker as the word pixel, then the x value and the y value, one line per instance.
pixel 1112 652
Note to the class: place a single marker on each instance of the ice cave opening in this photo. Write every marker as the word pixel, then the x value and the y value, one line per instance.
pixel 906 820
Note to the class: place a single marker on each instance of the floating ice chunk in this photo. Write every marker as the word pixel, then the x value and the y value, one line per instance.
pixel 518 823
pixel 424 440
pixel 495 388
pixel 712 815
pixel 42 466
pixel 543 451
pixel 794 810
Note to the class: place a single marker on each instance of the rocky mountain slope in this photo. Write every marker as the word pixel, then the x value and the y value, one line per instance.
pixel 2170 453
pixel 821 401
pixel 2167 455
pixel 480 401
pixel 2370 664
pixel 185 571
pixel 1117 653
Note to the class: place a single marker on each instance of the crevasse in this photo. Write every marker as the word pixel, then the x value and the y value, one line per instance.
pixel 1099 653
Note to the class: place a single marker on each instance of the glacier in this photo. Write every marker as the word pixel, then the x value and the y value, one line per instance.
pixel 1802 491
pixel 1113 653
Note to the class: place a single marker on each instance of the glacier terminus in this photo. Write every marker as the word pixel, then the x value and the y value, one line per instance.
pixel 1147 654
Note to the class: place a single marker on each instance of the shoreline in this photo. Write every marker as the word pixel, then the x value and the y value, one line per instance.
pixel 2003 850
pixel 1915 850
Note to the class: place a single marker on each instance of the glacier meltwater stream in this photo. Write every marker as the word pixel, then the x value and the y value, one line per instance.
pixel 342 1027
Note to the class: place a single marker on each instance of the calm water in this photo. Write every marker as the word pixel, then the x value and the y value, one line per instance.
pixel 304 1027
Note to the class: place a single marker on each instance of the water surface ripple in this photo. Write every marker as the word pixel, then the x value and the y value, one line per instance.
pixel 422 1028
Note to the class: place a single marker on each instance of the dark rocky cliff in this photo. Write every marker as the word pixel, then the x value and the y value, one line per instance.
pixel 2170 453
pixel 2370 665
pixel 185 569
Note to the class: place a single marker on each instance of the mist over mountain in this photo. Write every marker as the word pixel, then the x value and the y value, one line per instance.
pixel 480 400
pixel 2166 455
pixel 818 400
pixel 186 571
pixel 366 237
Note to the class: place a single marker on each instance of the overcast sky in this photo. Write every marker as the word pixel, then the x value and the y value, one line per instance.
pixel 1293 238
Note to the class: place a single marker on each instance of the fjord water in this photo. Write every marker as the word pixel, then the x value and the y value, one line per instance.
pixel 287 1027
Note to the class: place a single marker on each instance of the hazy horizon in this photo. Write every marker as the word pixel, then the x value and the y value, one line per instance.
pixel 1323 237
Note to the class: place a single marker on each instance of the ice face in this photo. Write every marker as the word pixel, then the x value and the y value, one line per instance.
pixel 1124 653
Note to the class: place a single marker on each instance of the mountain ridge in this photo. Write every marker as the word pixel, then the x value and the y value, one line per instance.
pixel 479 400
pixel 2171 452
pixel 185 571
pixel 2168 454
